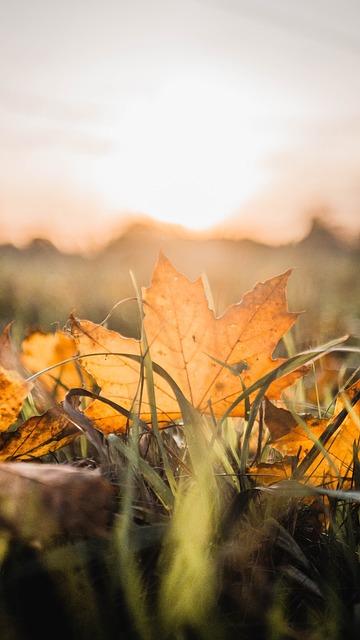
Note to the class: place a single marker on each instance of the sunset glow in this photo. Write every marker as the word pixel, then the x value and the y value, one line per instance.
pixel 184 157
pixel 198 113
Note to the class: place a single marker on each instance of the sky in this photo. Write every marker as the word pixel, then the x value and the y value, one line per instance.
pixel 239 116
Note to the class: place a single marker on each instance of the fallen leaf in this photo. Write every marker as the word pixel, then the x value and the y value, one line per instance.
pixel 268 473
pixel 199 351
pixel 13 391
pixel 296 437
pixel 38 436
pixel 286 432
pixel 40 350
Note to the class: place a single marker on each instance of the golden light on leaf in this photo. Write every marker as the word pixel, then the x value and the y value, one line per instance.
pixel 287 433
pixel 297 437
pixel 13 391
pixel 191 345
pixel 38 436
pixel 268 473
pixel 42 350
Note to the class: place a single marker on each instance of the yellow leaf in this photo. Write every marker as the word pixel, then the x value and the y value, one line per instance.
pixel 292 437
pixel 190 344
pixel 267 473
pixel 42 350
pixel 287 434
pixel 38 435
pixel 13 391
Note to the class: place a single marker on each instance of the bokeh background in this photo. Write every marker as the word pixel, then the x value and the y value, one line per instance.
pixel 224 132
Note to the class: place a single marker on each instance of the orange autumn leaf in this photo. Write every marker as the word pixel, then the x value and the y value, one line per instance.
pixel 191 344
pixel 268 473
pixel 13 391
pixel 38 436
pixel 290 437
pixel 42 350
pixel 286 433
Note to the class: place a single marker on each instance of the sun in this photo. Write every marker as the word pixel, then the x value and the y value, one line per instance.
pixel 187 154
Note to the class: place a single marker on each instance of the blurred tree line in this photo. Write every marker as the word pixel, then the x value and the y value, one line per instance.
pixel 40 286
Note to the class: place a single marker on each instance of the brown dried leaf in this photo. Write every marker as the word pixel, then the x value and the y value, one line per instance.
pixel 38 436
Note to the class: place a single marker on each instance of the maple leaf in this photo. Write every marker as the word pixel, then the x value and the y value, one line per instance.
pixel 38 436
pixel 13 388
pixel 326 446
pixel 39 351
pixel 13 391
pixel 203 354
pixel 286 433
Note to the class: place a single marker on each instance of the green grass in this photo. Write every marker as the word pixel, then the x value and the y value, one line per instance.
pixel 196 550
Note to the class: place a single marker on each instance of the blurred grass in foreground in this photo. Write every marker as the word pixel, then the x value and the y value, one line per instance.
pixel 197 549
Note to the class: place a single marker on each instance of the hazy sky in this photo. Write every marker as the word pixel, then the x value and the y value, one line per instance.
pixel 190 111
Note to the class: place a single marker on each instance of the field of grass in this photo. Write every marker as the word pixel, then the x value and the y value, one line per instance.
pixel 196 547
